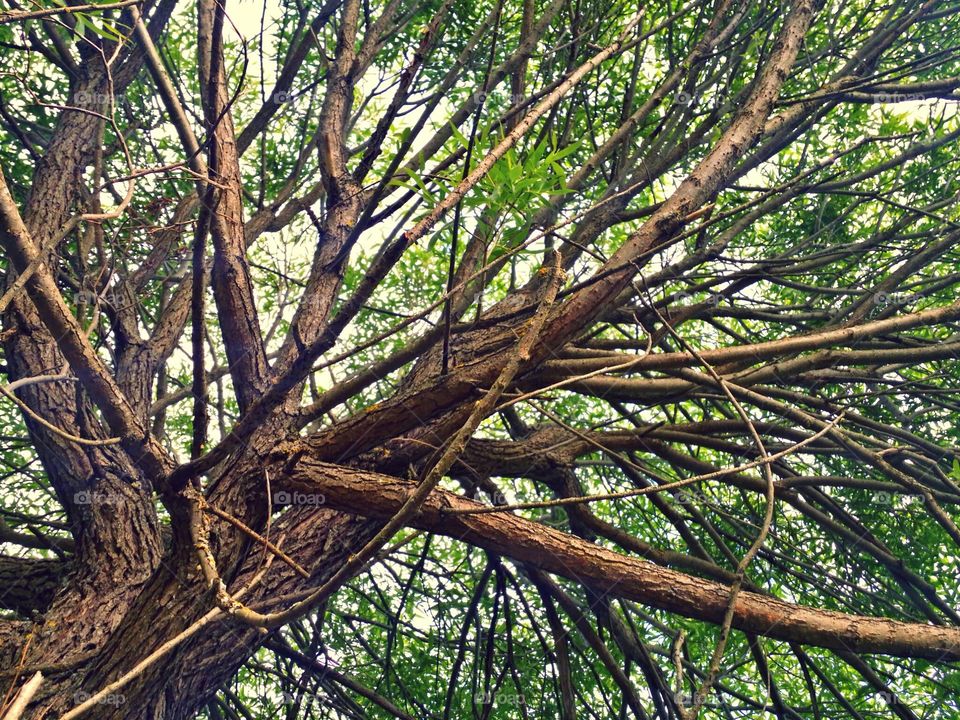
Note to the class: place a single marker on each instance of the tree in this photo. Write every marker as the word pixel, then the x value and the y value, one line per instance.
pixel 468 359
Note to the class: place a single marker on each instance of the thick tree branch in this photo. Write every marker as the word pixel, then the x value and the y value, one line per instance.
pixel 379 496
pixel 230 277
pixel 72 340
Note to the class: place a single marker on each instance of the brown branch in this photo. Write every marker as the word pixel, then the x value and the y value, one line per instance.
pixel 227 517
pixel 409 508
pixel 379 496
pixel 14 16
pixel 76 347
pixel 230 276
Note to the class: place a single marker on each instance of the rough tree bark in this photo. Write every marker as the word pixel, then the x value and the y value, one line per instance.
pixel 129 580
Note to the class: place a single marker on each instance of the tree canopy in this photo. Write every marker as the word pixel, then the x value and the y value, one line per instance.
pixel 470 359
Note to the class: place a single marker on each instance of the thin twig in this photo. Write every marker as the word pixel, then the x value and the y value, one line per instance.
pixel 23 697
pixel 11 16
pixel 227 517
pixel 635 492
